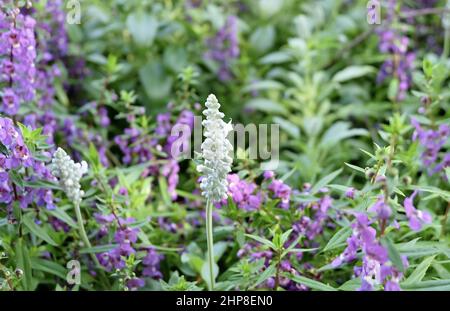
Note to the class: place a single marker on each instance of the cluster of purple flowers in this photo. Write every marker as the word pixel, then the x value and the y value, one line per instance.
pixel 224 47
pixel 55 28
pixel 17 60
pixel 376 268
pixel 244 194
pixel 278 189
pixel 138 147
pixel 432 140
pixel 400 61
pixel 52 46
pixel 311 223
pixel 252 251
pixel 249 196
pixel 126 238
pixel 18 156
pixel 314 220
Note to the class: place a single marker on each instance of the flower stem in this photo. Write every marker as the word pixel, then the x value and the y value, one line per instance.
pixel 446 24
pixel 210 242
pixel 83 234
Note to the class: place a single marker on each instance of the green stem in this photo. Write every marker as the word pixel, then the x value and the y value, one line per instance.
pixel 446 25
pixel 83 234
pixel 210 242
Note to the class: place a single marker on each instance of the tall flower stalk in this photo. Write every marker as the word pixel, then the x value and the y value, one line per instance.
pixel 216 150
pixel 69 175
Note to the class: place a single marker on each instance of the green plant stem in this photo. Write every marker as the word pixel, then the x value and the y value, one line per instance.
pixel 445 22
pixel 210 242
pixel 446 51
pixel 85 239
pixel 444 221
pixel 83 234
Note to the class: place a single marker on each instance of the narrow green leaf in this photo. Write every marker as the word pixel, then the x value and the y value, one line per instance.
pixel 49 267
pixel 267 273
pixel 309 282
pixel 62 215
pixel 394 254
pixel 261 240
pixel 356 168
pixel 352 72
pixel 338 238
pixel 36 230
pixel 23 263
pixel 164 191
pixel 325 181
pixel 98 249
pixel 420 271
pixel 433 285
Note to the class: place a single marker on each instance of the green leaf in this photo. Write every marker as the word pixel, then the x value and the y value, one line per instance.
pixel 36 230
pixel 308 282
pixel 427 67
pixel 442 193
pixel 263 38
pixel 276 58
pixel 62 215
pixel 393 89
pixel 338 238
pixel 338 132
pixel 351 285
pixel 420 271
pixel 156 82
pixel 267 273
pixel 142 27
pixel 205 272
pixel 3 149
pixel 49 267
pixel 325 181
pixel 42 184
pixel 394 254
pixel 352 72
pixel 23 263
pixel 265 105
pixel 261 240
pixel 262 85
pixel 433 285
pixel 98 249
pixel 163 190
pixel 175 58
pixel 356 168
pixel 288 127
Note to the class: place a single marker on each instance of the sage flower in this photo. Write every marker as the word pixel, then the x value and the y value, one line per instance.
pixel 216 151
pixel 69 174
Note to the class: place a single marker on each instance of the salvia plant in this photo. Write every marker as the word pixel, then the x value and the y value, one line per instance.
pixel 115 176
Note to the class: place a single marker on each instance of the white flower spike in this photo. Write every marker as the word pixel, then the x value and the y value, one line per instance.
pixel 69 174
pixel 216 152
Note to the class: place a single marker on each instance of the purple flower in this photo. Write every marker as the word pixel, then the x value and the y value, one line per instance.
pixel 151 263
pixel 135 283
pixel 416 217
pixel 432 140
pixel 382 209
pixel 399 63
pixel 17 59
pixel 350 193
pixel 280 191
pixel 10 102
pixel 224 47
pixel 126 235
pixel 244 194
